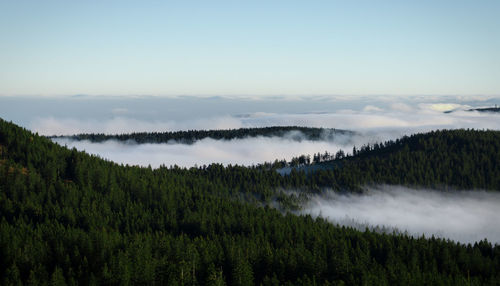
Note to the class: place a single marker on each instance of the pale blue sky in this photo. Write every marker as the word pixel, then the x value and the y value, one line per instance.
pixel 249 48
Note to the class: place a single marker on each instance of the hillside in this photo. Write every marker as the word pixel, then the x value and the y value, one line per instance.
pixel 460 159
pixel 71 218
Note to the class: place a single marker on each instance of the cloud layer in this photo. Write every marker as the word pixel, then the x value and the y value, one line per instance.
pixel 400 118
pixel 120 125
pixel 459 215
pixel 372 123
pixel 248 151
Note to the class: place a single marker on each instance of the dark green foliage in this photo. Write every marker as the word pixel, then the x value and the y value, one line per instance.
pixel 68 218
pixel 487 109
pixel 460 159
pixel 191 136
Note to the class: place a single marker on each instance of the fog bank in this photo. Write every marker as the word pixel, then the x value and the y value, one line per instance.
pixel 401 120
pixel 458 215
pixel 125 114
pixel 247 151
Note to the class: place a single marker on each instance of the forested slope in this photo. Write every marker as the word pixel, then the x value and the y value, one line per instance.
pixel 71 218
pixel 457 159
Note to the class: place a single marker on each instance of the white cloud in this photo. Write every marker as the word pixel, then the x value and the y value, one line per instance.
pixel 119 111
pixel 443 107
pixel 465 216
pixel 370 108
pixel 420 120
pixel 248 151
pixel 372 126
pixel 403 107
pixel 119 125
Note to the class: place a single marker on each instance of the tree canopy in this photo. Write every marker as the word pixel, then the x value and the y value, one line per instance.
pixel 69 218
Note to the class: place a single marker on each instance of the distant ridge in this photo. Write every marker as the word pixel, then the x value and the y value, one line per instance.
pixel 480 109
pixel 191 136
pixel 486 109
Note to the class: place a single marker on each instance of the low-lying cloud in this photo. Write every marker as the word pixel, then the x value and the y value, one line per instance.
pixel 374 120
pixel 247 151
pixel 372 126
pixel 121 125
pixel 422 118
pixel 464 216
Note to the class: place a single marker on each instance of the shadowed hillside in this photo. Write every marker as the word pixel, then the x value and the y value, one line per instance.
pixel 71 218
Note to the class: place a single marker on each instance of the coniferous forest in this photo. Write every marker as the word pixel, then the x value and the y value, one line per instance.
pixel 191 136
pixel 69 218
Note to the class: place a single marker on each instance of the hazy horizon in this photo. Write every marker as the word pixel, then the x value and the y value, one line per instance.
pixel 88 114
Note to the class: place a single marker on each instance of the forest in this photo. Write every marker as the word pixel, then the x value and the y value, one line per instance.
pixel 487 109
pixel 70 218
pixel 442 159
pixel 191 136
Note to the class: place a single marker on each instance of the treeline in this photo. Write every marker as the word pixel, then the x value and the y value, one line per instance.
pixel 486 109
pixel 68 218
pixel 461 159
pixel 188 137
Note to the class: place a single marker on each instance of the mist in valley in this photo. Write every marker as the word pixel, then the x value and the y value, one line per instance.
pixel 374 120
pixel 463 216
pixel 247 151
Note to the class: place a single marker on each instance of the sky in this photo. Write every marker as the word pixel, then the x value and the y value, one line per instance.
pixel 249 48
